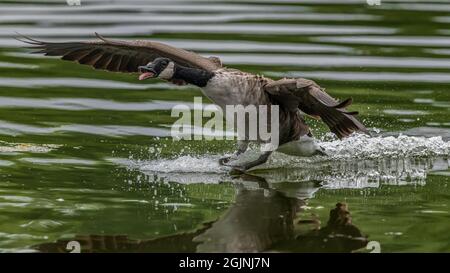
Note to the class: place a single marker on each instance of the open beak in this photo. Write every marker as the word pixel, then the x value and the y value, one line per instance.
pixel 147 72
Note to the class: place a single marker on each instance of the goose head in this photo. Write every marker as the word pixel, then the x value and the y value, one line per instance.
pixel 162 68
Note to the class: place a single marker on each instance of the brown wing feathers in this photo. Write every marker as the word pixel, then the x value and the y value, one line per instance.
pixel 119 56
pixel 96 54
pixel 311 99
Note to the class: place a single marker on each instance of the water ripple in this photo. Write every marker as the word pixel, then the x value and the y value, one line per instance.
pixel 14 129
pixel 81 83
pixel 208 45
pixel 148 7
pixel 122 18
pixel 235 28
pixel 6 147
pixel 334 61
pixel 368 76
pixel 57 161
pixel 387 40
pixel 14 65
pixel 78 104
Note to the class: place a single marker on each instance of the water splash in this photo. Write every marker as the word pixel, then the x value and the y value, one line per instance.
pixel 362 146
pixel 356 162
pixel 186 164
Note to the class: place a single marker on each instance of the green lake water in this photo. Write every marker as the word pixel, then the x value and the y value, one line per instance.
pixel 86 155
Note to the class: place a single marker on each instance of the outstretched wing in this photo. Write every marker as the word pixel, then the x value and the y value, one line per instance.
pixel 307 96
pixel 120 56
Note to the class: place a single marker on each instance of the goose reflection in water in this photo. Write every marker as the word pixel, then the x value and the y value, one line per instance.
pixel 268 214
pixel 262 219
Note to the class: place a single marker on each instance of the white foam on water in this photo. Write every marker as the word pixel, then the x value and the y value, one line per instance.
pixel 362 146
pixel 359 161
pixel 184 169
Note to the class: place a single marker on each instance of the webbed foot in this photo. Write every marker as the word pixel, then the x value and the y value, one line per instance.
pixel 248 165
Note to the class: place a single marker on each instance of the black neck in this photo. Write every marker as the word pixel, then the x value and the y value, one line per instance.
pixel 193 76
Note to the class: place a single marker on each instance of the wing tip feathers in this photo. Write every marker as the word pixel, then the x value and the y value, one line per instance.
pixel 26 39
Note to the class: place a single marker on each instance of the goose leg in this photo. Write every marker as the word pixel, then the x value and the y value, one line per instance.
pixel 242 147
pixel 247 165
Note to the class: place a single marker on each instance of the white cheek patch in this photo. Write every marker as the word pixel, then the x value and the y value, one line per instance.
pixel 167 73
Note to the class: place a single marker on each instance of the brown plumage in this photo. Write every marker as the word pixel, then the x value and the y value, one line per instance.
pixel 120 56
pixel 307 96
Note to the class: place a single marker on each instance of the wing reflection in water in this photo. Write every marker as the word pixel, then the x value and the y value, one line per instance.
pixel 268 213
pixel 267 219
pixel 261 219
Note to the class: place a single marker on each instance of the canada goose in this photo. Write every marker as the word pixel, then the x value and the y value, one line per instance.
pixel 224 86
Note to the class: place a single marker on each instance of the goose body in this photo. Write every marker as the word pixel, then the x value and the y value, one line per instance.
pixel 224 86
pixel 234 87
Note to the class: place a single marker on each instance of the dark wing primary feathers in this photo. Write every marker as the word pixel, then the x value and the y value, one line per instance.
pixel 120 56
pixel 307 96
